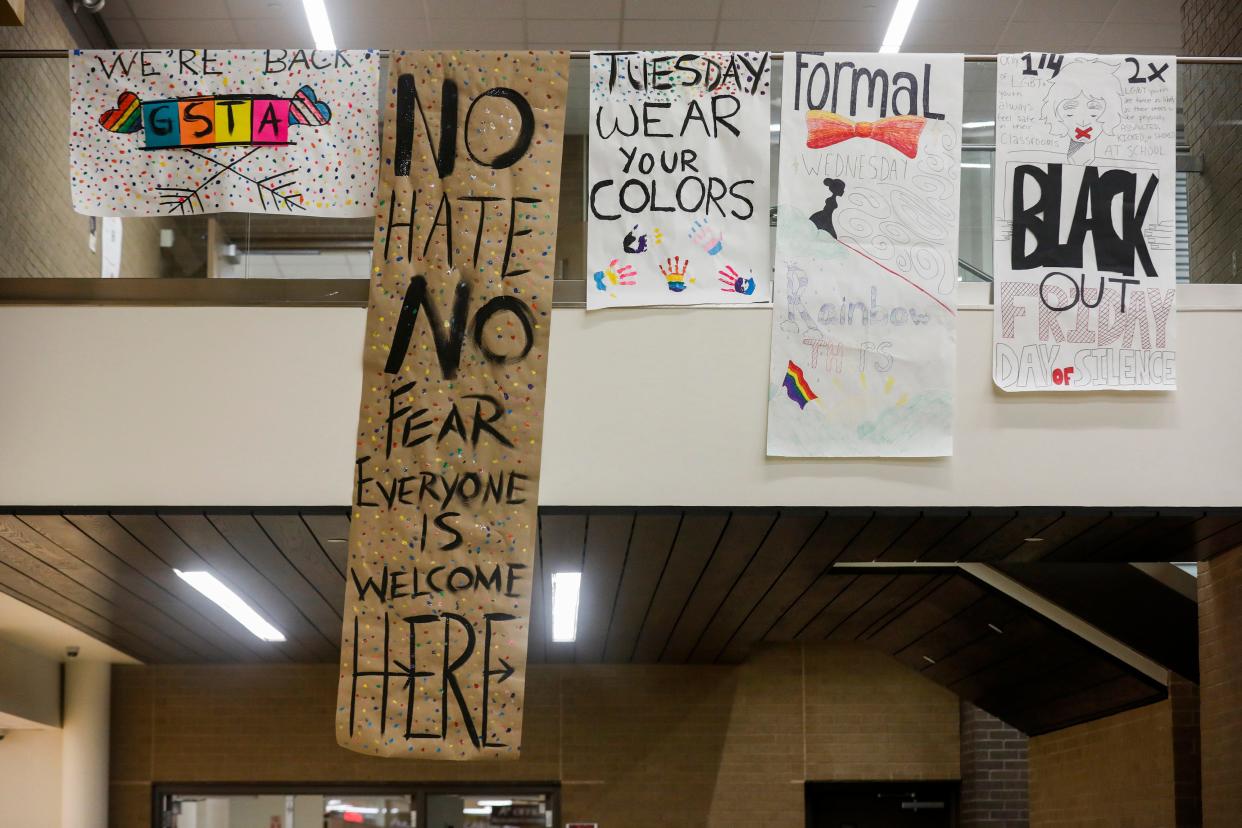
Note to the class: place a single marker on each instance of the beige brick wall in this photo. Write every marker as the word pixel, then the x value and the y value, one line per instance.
pixel 40 235
pixel 1220 688
pixel 672 745
pixel 1116 771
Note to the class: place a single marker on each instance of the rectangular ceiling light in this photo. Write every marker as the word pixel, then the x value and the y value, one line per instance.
pixel 565 587
pixel 902 15
pixel 232 603
pixel 320 26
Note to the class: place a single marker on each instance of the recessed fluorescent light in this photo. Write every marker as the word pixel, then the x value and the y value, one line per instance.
pixel 774 127
pixel 232 603
pixel 320 26
pixel 970 165
pixel 565 587
pixel 978 124
pixel 476 811
pixel 902 15
pixel 1033 540
pixel 495 803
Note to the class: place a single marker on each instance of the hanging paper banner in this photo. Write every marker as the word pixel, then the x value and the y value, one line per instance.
pixel 1085 223
pixel 442 536
pixel 679 178
pixel 864 308
pixel 183 131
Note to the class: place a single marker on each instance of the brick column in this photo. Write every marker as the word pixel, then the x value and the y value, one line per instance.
pixel 994 772
pixel 1220 687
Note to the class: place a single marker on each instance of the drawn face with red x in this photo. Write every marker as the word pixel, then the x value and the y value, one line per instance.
pixel 1082 116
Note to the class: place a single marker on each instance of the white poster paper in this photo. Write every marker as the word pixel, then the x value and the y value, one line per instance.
pixel 1085 224
pixel 679 179
pixel 864 308
pixel 182 131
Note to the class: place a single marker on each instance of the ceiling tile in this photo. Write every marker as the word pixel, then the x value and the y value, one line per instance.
pixel 468 34
pixel 1052 11
pixel 162 9
pixel 680 34
pixel 575 34
pixel 250 9
pixel 481 13
pixel 1137 38
pixel 126 33
pixel 965 13
pixel 864 36
pixel 677 10
pixel 1048 35
pixel 951 35
pixel 572 9
pixel 766 34
pixel 857 9
pixel 275 34
pixel 1147 11
pixel 365 33
pixel 769 10
pixel 341 10
pixel 116 8
pixel 198 33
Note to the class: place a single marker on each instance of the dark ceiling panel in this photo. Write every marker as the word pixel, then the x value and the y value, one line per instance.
pixel 786 538
pixel 696 541
pixel 607 539
pixel 746 532
pixel 650 545
pixel 676 585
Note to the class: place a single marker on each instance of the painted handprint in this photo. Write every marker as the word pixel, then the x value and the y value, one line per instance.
pixel 615 274
pixel 634 242
pixel 732 283
pixel 706 237
pixel 675 273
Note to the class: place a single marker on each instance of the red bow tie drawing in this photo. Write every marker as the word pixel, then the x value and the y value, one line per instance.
pixel 823 129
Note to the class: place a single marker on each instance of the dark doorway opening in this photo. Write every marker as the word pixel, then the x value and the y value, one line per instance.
pixel 881 804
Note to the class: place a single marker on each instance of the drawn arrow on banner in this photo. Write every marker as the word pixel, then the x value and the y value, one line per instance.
pixel 504 674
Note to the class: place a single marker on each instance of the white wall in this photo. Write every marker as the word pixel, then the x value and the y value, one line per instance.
pixel 30 779
pixel 257 406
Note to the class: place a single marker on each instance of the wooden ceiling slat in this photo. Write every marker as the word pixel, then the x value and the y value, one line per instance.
pixel 244 534
pixel 208 618
pixel 845 605
pixel 650 545
pixel 298 545
pixel 799 578
pixel 1143 541
pixel 30 591
pixel 1009 537
pixel 946 601
pixel 818 596
pixel 967 645
pixel 746 531
pixel 782 545
pixel 1063 677
pixel 1048 651
pixel 1087 546
pixel 30 574
pixel 1122 692
pixel 1182 545
pixel 303 642
pixel 1222 541
pixel 608 538
pixel 982 524
pixel 696 541
pixel 99 578
pixel 905 589
pixel 879 534
pixel 928 530
pixel 143 574
pixel 562 539
pixel 1066 530
pixel 332 532
pixel 539 633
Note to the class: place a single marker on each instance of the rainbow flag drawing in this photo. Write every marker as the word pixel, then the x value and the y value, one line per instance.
pixel 796 386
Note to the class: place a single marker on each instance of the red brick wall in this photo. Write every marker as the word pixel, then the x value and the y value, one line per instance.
pixel 676 745
pixel 1220 688
pixel 1116 771
pixel 994 772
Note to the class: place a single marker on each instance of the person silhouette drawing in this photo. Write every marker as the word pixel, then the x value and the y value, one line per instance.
pixel 823 218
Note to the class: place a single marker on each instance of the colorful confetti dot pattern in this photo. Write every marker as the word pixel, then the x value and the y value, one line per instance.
pixel 394 699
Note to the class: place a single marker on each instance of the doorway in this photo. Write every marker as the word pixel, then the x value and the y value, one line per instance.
pixel 881 804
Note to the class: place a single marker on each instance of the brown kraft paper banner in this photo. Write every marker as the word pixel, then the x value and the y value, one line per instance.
pixel 442 535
